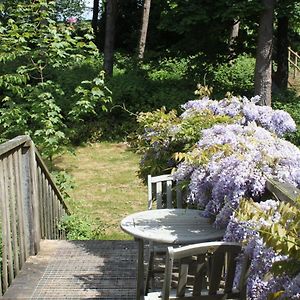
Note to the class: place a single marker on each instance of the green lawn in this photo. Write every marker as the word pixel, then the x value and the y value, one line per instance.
pixel 107 187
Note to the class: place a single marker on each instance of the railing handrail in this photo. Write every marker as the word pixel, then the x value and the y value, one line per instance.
pixel 53 184
pixel 31 205
pixel 14 143
pixel 293 63
pixel 293 52
pixel 283 191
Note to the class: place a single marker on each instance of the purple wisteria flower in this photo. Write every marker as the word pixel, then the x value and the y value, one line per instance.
pixel 262 259
pixel 277 121
pixel 292 288
pixel 239 159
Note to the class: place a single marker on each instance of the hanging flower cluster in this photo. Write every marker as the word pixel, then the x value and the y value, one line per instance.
pixel 254 225
pixel 244 110
pixel 233 161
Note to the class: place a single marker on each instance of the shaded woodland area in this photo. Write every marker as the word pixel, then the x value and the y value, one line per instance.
pixel 154 53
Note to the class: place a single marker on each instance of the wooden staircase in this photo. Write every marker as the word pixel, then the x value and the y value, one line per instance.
pixel 294 70
pixel 37 263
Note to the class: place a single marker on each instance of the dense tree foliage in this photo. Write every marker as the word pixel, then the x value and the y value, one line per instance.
pixel 34 52
pixel 188 42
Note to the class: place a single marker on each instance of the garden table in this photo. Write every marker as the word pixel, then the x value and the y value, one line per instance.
pixel 169 226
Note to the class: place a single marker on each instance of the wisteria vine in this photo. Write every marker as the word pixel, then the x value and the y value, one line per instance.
pixel 230 162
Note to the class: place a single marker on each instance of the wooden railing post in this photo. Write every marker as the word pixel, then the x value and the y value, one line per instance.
pixel 31 200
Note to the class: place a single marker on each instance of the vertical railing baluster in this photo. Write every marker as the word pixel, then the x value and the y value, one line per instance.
pixel 40 195
pixel 34 198
pixel 12 197
pixel 20 209
pixel 7 241
pixel 4 226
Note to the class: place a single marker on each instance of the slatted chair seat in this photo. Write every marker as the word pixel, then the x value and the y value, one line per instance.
pixel 206 271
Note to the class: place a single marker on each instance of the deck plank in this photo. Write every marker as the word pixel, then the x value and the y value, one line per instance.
pixel 78 270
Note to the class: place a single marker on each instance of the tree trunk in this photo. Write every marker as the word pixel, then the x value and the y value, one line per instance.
pixel 263 66
pixel 282 73
pixel 95 16
pixel 144 28
pixel 95 21
pixel 233 36
pixel 111 10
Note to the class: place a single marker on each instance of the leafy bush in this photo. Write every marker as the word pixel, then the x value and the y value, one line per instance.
pixel 290 102
pixel 169 69
pixel 161 134
pixel 81 228
pixel 236 77
pixel 143 87
pixel 34 48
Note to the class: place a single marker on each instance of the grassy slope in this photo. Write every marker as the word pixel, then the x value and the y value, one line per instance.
pixel 107 188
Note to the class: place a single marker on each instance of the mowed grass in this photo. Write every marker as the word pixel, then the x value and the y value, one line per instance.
pixel 106 185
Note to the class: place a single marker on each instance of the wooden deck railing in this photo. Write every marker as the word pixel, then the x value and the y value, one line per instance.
pixel 31 205
pixel 294 62
pixel 284 191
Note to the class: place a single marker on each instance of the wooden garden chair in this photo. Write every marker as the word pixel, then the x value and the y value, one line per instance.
pixel 163 192
pixel 205 271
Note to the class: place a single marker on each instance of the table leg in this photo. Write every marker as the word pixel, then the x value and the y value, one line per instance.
pixel 140 288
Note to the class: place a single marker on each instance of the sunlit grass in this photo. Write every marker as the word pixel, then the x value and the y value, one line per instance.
pixel 106 185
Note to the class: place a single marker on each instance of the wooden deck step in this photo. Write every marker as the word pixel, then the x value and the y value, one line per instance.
pixel 78 270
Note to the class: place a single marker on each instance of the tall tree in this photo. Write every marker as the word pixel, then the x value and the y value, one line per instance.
pixel 282 72
pixel 110 12
pixel 95 21
pixel 288 20
pixel 234 33
pixel 144 28
pixel 263 66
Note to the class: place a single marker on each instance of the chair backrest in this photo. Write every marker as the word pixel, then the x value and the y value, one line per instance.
pixel 205 271
pixel 165 191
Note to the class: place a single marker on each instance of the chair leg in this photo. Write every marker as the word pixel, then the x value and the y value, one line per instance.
pixel 149 275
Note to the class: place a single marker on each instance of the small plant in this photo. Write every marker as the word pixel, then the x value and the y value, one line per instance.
pixel 64 182
pixel 80 228
pixel 203 90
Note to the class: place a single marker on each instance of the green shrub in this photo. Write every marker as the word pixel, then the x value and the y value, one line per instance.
pixel 169 69
pixel 80 228
pixel 35 54
pixel 161 134
pixel 236 77
pixel 64 182
pixel 290 102
pixel 143 87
